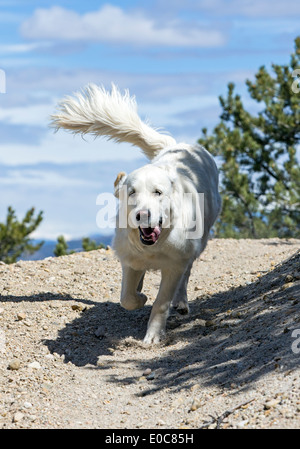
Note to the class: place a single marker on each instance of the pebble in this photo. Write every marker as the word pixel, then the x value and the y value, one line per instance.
pixel 34 365
pixel 18 417
pixel 27 323
pixel 160 422
pixel 272 403
pixel 100 332
pixel 27 404
pixel 287 285
pixel 195 404
pixel 147 372
pixel 288 278
pixel 142 379
pixel 21 316
pixel 242 424
pixel 14 364
pixel 78 307
pixel 209 323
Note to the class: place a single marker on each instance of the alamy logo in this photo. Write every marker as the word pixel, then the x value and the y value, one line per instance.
pixel 296 83
pixel 296 342
pixel 2 82
pixel 190 217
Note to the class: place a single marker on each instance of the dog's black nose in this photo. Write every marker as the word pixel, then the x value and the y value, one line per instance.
pixel 143 217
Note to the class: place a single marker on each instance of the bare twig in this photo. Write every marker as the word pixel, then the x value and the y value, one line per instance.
pixel 219 419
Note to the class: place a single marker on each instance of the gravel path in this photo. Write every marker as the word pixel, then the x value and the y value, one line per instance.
pixel 71 357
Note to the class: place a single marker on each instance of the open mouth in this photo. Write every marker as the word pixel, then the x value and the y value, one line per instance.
pixel 149 236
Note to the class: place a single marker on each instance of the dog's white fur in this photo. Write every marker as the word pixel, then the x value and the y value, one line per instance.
pixel 164 188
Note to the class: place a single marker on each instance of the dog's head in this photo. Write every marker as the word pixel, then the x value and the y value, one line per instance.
pixel 145 202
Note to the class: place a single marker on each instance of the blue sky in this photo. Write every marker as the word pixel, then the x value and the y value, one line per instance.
pixel 176 56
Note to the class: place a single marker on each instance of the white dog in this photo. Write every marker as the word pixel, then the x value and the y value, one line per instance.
pixel 170 204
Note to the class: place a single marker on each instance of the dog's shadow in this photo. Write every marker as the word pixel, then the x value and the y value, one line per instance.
pixel 97 331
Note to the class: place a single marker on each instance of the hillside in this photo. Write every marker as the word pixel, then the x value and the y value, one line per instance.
pixel 47 250
pixel 71 357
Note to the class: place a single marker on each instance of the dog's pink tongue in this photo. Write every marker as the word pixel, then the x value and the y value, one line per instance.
pixel 155 233
pixel 152 232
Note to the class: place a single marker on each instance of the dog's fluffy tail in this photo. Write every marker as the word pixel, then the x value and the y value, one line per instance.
pixel 102 113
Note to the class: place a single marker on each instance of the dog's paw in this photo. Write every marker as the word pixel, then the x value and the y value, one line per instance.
pixel 182 307
pixel 134 302
pixel 153 337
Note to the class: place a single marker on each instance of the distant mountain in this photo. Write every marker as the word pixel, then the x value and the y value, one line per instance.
pixel 76 245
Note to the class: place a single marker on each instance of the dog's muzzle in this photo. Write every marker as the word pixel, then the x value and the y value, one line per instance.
pixel 148 235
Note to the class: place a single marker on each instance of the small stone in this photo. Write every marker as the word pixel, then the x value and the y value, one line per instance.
pixel 18 417
pixel 287 285
pixel 197 288
pixel 242 424
pixel 14 365
pixel 27 405
pixel 200 322
pixel 27 323
pixel 288 278
pixel 21 316
pixel 100 332
pixel 147 372
pixel 34 365
pixel 142 379
pixel 78 307
pixel 209 323
pixel 160 422
pixel 195 404
pixel 272 403
pixel 151 376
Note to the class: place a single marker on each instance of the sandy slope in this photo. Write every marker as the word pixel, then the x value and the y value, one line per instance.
pixel 71 357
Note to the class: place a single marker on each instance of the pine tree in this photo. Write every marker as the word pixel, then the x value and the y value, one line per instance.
pixel 260 171
pixel 61 248
pixel 14 235
pixel 90 245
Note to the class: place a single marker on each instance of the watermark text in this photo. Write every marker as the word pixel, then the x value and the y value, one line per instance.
pixel 2 82
pixel 296 83
pixel 188 215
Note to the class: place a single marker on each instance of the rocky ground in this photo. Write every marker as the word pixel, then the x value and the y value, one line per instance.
pixel 71 357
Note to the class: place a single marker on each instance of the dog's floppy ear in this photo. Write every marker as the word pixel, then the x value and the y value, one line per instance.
pixel 119 182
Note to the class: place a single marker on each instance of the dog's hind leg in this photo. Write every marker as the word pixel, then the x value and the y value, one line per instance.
pixel 140 286
pixel 180 299
pixel 132 282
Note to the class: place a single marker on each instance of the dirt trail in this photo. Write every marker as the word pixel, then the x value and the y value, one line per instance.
pixel 71 357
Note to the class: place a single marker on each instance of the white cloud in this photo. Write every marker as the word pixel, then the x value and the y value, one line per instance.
pixel 21 48
pixel 113 25
pixel 63 147
pixel 32 115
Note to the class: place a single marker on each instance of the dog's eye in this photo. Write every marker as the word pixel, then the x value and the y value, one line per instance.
pixel 157 192
pixel 132 192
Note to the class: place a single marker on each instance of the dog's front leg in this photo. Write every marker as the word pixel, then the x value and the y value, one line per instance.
pixel 157 323
pixel 132 280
